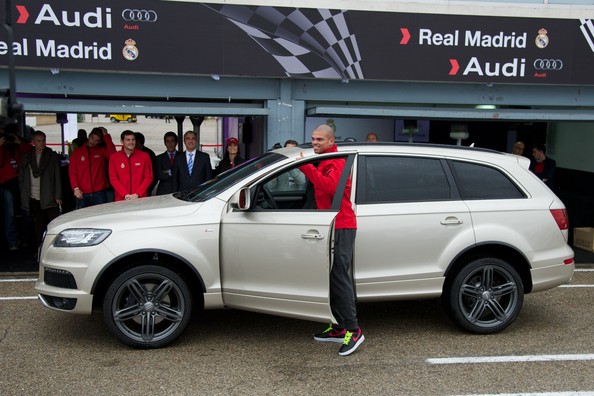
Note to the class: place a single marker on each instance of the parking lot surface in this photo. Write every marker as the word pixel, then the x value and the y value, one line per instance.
pixel 411 349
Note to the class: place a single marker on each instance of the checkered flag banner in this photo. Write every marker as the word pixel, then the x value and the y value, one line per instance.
pixel 587 28
pixel 306 42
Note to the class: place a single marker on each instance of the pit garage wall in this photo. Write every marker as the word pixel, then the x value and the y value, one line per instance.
pixel 570 144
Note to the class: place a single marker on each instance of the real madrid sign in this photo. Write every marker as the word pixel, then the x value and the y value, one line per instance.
pixel 240 40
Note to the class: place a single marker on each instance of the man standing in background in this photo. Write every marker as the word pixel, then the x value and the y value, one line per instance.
pixel 165 162
pixel 130 170
pixel 87 169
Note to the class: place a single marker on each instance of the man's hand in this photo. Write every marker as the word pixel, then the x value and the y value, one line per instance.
pixel 130 197
pixel 77 193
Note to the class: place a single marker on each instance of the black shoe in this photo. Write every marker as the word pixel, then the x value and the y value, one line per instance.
pixel 331 335
pixel 351 342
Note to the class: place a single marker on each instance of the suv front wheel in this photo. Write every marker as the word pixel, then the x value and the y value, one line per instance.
pixel 485 296
pixel 147 306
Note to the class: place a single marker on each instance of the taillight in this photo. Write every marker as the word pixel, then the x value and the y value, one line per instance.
pixel 560 216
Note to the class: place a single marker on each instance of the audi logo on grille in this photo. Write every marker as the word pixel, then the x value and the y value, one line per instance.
pixel 548 64
pixel 133 15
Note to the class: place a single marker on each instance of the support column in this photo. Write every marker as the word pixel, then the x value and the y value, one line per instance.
pixel 286 117
pixel 180 132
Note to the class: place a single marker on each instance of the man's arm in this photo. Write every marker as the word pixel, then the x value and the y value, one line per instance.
pixel 328 181
pixel 147 175
pixel 114 177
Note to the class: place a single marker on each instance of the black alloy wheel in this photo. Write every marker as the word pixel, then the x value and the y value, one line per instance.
pixel 485 296
pixel 147 306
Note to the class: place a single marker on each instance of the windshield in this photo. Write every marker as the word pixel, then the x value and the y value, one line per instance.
pixel 229 178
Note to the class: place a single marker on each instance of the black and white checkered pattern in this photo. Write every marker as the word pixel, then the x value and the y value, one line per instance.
pixel 587 27
pixel 306 42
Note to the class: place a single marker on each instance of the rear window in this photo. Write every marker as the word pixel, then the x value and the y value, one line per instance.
pixel 385 179
pixel 477 181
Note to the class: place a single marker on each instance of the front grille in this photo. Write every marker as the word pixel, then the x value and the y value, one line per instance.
pixel 59 278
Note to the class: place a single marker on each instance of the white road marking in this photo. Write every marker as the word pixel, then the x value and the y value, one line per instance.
pixel 7 280
pixel 580 393
pixel 18 298
pixel 576 286
pixel 510 359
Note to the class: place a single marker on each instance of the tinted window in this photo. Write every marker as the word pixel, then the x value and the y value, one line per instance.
pixel 404 179
pixel 483 182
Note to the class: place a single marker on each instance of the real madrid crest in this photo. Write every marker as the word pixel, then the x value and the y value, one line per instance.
pixel 542 40
pixel 130 51
pixel 123 165
pixel 82 158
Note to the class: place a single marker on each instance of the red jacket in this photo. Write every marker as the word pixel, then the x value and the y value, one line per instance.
pixel 10 159
pixel 325 180
pixel 87 166
pixel 130 175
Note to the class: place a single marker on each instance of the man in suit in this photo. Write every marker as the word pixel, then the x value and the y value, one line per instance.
pixel 191 168
pixel 165 163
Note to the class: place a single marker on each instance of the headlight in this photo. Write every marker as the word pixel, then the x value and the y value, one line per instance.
pixel 77 237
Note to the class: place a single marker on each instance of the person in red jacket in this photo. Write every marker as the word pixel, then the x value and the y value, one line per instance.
pixel 130 170
pixel 342 295
pixel 87 169
pixel 11 151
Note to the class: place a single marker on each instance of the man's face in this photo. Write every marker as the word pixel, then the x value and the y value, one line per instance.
pixel 321 141
pixel 190 141
pixel 129 143
pixel 93 140
pixel 372 137
pixel 170 143
pixel 39 142
pixel 538 155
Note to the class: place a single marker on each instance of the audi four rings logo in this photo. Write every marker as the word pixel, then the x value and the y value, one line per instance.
pixel 133 15
pixel 548 64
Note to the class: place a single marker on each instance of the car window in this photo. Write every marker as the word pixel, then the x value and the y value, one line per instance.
pixel 229 178
pixel 384 179
pixel 478 181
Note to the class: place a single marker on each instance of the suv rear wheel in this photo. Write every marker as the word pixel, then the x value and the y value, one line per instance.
pixel 485 296
pixel 147 306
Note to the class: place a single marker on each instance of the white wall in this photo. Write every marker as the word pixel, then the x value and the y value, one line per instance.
pixel 571 144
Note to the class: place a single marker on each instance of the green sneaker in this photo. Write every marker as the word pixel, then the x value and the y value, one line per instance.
pixel 351 342
pixel 331 335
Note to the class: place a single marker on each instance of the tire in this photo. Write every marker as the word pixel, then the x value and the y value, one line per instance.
pixel 147 306
pixel 485 296
pixel 129 119
pixel 112 119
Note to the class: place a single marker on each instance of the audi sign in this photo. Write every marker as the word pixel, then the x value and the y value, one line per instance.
pixel 135 15
pixel 548 64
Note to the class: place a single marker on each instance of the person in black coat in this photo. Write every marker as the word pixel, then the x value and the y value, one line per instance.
pixel 165 162
pixel 544 167
pixel 201 170
pixel 231 158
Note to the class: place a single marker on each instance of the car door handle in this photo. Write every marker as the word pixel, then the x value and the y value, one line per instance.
pixel 451 221
pixel 312 236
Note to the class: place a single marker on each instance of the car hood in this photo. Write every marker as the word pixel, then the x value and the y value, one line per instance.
pixel 124 212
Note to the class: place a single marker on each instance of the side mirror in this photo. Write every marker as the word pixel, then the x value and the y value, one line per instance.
pixel 241 199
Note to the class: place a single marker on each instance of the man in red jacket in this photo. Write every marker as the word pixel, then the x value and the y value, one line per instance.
pixel 87 169
pixel 11 151
pixel 342 296
pixel 130 170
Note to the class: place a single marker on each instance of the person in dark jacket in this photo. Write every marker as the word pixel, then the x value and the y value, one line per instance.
pixel 543 166
pixel 231 158
pixel 40 184
pixel 192 167
pixel 165 162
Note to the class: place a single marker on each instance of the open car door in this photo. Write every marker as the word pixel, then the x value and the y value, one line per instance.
pixel 278 261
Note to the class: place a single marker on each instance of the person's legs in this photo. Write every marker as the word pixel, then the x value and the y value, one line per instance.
pixel 98 198
pixel 10 227
pixel 342 294
pixel 37 216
